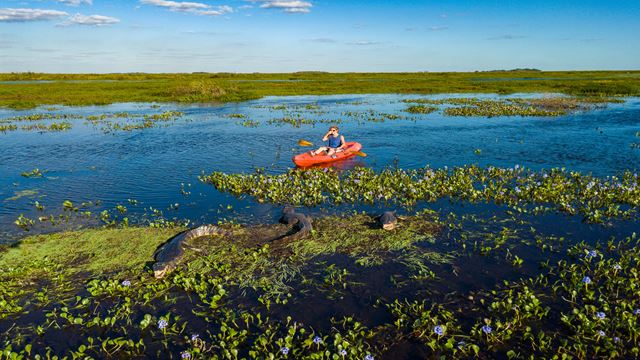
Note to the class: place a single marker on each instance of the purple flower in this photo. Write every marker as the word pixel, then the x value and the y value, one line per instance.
pixel 343 352
pixel 592 254
pixel 600 315
pixel 369 357
pixel 317 340
pixel 126 283
pixel 284 350
pixel 636 312
pixel 185 355
pixel 162 323
pixel 195 337
pixel 616 339
pixel 586 280
pixel 487 329
pixel 617 267
pixel 601 333
pixel 438 330
pixel 461 344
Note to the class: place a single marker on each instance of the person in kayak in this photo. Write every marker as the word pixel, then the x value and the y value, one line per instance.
pixel 335 144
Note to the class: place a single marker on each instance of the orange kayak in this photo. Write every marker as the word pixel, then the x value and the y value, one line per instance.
pixel 305 159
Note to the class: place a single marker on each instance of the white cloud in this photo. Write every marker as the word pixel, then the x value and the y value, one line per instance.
pixel 21 15
pixel 322 40
pixel 364 43
pixel 90 20
pixel 438 28
pixel 506 37
pixel 76 2
pixel 190 7
pixel 290 6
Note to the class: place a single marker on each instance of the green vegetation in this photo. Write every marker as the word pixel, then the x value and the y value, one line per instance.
pixel 547 106
pixel 33 173
pixel 5 128
pixel 242 295
pixel 571 192
pixel 53 127
pixel 40 278
pixel 107 123
pixel 101 89
pixel 93 250
pixel 248 123
pixel 421 109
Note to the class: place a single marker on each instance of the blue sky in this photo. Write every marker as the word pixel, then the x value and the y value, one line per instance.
pixel 75 36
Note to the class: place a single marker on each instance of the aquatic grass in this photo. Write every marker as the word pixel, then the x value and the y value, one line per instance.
pixel 53 127
pixel 249 123
pixel 93 250
pixel 545 106
pixel 7 128
pixel 421 109
pixel 35 173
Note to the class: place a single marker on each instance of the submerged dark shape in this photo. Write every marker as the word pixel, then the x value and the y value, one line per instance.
pixel 388 220
pixel 301 222
pixel 169 254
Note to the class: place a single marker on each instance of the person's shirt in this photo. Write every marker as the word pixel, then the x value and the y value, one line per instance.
pixel 335 141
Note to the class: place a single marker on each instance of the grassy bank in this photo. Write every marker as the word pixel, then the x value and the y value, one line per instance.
pixel 100 89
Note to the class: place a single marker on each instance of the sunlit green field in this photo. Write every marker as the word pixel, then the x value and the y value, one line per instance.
pixel 17 90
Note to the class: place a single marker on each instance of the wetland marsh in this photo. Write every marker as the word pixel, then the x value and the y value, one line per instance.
pixel 518 235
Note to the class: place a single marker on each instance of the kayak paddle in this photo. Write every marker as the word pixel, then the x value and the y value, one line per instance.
pixel 302 142
pixel 360 153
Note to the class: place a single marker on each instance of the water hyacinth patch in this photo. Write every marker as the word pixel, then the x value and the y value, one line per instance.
pixel 542 311
pixel 563 191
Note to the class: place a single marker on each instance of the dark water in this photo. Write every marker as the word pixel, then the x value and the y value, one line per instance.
pixel 84 164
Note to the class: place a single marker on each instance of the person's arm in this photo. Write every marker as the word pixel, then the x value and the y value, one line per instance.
pixel 343 143
pixel 326 136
